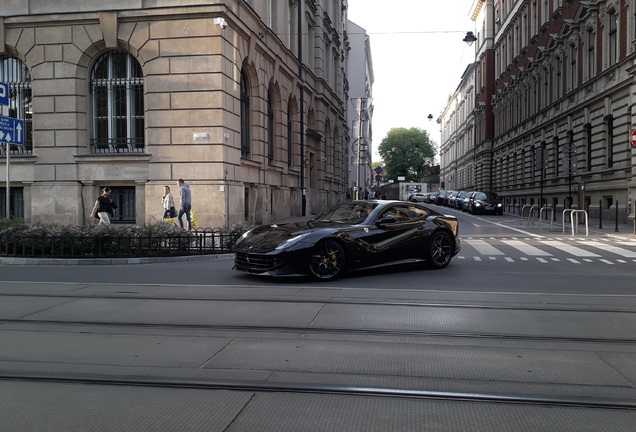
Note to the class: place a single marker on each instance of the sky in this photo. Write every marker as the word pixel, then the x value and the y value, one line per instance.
pixel 418 58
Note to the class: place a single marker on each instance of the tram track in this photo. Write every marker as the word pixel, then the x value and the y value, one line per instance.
pixel 319 330
pixel 324 389
pixel 331 301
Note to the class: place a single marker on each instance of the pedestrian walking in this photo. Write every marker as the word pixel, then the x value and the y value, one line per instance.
pixel 186 203
pixel 103 207
pixel 168 203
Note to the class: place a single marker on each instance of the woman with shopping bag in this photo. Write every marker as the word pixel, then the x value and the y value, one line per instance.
pixel 167 201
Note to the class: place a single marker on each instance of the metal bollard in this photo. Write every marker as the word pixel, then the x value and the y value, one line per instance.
pixel 600 214
pixel 616 229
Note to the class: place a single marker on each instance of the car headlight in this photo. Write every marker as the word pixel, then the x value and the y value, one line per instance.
pixel 477 204
pixel 500 205
pixel 291 241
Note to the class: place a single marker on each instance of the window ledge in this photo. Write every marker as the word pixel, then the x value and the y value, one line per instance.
pixel 91 157
pixel 14 158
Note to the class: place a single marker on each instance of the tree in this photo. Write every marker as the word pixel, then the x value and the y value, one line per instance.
pixel 407 152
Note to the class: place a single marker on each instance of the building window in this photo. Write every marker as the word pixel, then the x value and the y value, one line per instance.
pixel 270 128
pixel 245 117
pixel 16 200
pixel 289 139
pixel 117 96
pixel 591 54
pixel 124 197
pixel 557 156
pixel 610 140
pixel 18 78
pixel 612 38
pixel 246 203
pixel 588 134
pixel 574 71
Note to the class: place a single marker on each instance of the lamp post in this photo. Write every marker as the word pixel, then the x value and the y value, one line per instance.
pixel 470 38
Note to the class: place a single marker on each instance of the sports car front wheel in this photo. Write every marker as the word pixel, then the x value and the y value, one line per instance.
pixel 440 250
pixel 327 260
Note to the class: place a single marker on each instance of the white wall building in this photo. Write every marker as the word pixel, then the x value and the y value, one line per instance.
pixel 360 109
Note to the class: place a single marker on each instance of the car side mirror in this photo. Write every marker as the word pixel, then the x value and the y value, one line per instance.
pixel 388 219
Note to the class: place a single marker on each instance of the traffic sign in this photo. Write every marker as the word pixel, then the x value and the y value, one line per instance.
pixel 632 137
pixel 4 94
pixel 11 130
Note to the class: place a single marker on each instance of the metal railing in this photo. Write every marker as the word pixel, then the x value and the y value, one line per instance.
pixel 531 211
pixel 200 241
pixel 546 210
pixel 574 220
pixel 117 145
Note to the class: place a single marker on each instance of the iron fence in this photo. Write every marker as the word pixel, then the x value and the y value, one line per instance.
pixel 199 241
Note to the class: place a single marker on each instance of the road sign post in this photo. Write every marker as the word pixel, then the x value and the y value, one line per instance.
pixel 632 137
pixel 11 132
pixel 4 94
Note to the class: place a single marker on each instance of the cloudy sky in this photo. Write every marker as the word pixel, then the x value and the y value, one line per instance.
pixel 418 59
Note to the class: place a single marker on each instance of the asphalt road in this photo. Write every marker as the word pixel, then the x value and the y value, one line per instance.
pixel 470 271
pixel 525 330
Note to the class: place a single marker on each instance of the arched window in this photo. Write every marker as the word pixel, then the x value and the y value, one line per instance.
pixel 270 128
pixel 16 75
pixel 117 97
pixel 245 117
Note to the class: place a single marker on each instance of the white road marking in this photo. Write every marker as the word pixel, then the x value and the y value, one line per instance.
pixel 625 253
pixel 526 248
pixel 484 248
pixel 572 250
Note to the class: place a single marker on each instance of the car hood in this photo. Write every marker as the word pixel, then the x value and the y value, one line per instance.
pixel 267 237
pixel 489 201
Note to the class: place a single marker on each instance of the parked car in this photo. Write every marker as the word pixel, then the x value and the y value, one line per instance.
pixel 417 197
pixel 452 199
pixel 447 197
pixel 351 236
pixel 439 199
pixel 485 202
pixel 466 200
pixel 459 200
pixel 430 198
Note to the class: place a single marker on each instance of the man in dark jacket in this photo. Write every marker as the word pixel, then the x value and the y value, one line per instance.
pixel 186 203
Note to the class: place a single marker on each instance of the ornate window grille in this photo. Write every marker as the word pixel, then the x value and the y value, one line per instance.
pixel 117 97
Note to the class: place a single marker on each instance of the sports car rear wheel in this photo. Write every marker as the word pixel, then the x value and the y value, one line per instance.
pixel 327 260
pixel 440 250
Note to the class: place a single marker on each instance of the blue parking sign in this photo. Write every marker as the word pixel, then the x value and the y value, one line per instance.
pixel 11 130
pixel 4 94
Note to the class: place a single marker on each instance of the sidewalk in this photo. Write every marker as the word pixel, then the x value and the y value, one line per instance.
pixel 607 228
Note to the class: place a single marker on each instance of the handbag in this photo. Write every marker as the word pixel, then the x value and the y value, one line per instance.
pixel 193 218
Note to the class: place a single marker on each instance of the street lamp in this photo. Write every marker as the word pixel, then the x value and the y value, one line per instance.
pixel 470 38
pixel 430 117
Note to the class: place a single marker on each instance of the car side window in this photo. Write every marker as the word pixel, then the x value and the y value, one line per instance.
pixel 401 214
pixel 418 213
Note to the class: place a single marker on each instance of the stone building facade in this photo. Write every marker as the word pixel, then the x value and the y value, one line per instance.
pixel 360 112
pixel 244 100
pixel 555 98
pixel 457 135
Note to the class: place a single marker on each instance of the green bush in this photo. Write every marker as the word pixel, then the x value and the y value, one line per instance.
pixel 19 238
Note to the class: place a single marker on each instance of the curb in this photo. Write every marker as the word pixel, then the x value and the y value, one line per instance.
pixel 108 261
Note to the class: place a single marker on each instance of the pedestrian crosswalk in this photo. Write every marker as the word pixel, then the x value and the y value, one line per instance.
pixel 548 250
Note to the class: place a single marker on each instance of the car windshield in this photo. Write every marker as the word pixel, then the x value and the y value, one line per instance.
pixel 486 195
pixel 350 212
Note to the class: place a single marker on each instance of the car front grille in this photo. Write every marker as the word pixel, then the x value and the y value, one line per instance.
pixel 255 263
